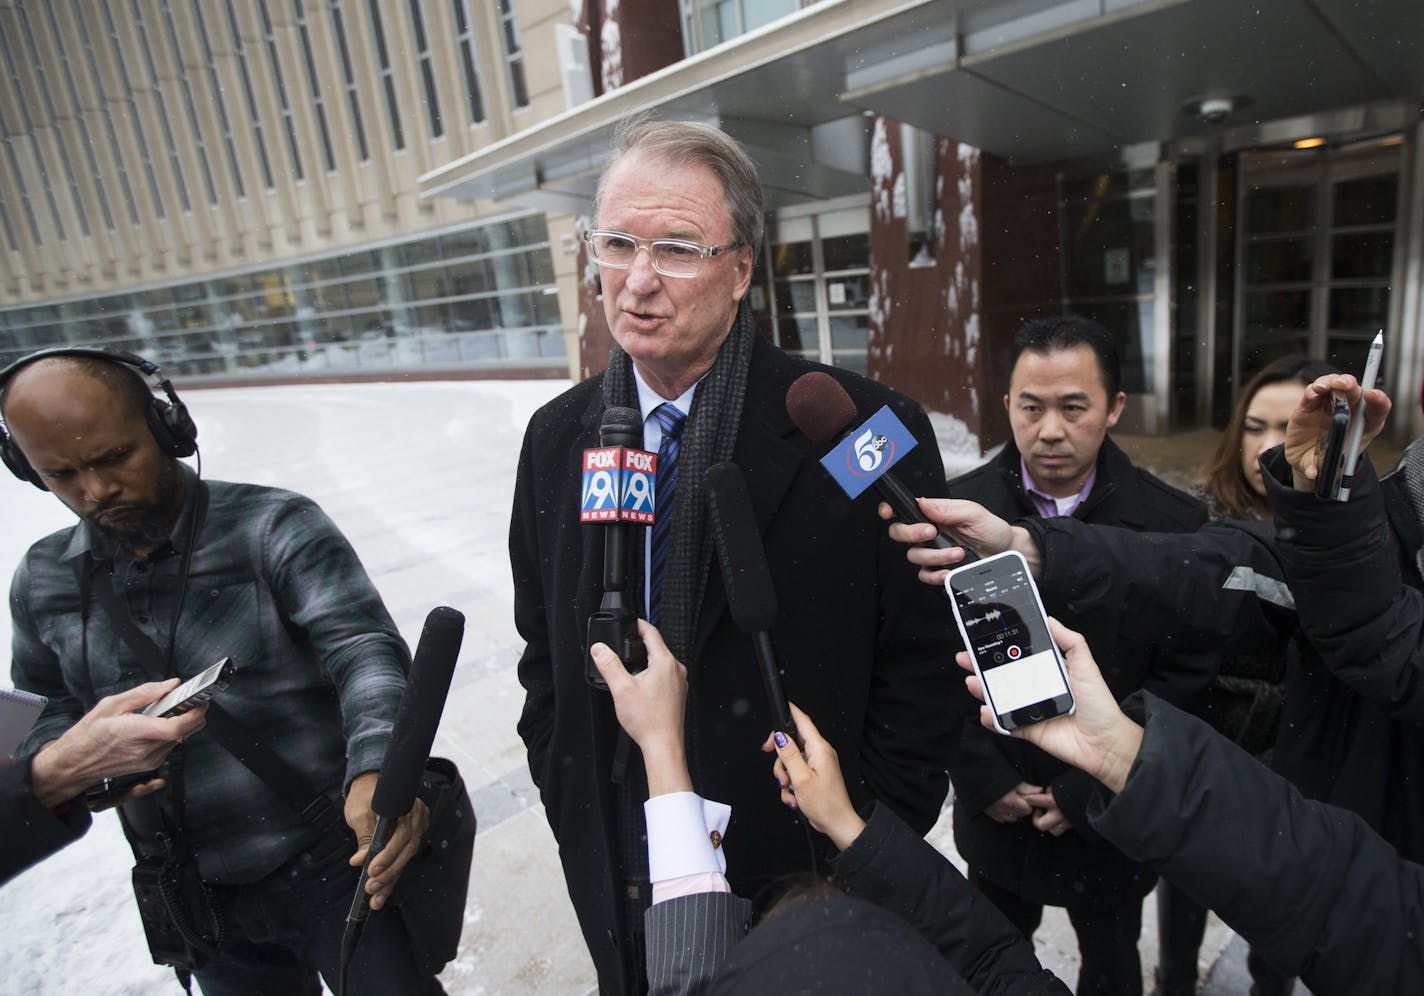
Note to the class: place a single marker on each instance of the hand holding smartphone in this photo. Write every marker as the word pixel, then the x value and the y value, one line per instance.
pixel 189 695
pixel 1001 618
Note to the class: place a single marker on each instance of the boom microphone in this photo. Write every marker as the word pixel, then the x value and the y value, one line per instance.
pixel 751 597
pixel 422 702
pixel 822 409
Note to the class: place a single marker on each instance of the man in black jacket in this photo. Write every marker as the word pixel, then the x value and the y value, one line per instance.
pixel 861 641
pixel 1018 816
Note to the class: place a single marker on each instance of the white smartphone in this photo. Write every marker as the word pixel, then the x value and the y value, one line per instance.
pixel 1005 629
pixel 193 692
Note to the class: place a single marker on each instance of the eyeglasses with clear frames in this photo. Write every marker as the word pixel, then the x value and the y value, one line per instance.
pixel 670 257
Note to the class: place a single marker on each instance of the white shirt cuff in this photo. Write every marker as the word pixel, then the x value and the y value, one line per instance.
pixel 685 835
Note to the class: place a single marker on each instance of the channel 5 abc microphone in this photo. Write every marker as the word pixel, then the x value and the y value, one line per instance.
pixel 619 490
pixel 864 454
pixel 751 596
pixel 422 702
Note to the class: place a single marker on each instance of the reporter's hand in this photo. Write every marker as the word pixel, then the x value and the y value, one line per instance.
pixel 1047 817
pixel 1013 805
pixel 1309 425
pixel 650 707
pixel 967 523
pixel 386 867
pixel 109 741
pixel 811 781
pixel 1096 737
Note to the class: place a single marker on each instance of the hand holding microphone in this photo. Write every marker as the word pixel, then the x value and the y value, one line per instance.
pixel 824 412
pixel 617 489
pixel 386 807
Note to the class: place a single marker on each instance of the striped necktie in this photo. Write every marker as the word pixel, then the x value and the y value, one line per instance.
pixel 672 422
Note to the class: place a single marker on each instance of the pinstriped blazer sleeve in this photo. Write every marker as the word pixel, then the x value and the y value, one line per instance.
pixel 689 937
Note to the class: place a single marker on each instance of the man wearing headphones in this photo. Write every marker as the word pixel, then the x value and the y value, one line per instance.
pixel 164 575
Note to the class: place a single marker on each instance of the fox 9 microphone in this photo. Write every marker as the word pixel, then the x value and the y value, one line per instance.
pixel 426 689
pixel 824 412
pixel 619 470
pixel 751 596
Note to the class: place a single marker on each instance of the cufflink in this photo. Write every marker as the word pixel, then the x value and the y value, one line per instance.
pixel 716 839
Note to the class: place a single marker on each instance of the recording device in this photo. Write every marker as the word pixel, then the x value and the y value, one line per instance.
pixel 189 695
pixel 1001 619
pixel 751 597
pixel 618 488
pixel 1327 480
pixel 824 412
pixel 426 689
pixel 193 692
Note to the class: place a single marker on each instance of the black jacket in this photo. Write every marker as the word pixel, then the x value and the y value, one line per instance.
pixel 1312 888
pixel 984 765
pixel 1350 731
pixel 30 831
pixel 865 648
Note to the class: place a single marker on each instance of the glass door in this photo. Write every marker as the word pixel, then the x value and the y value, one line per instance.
pixel 812 291
pixel 1316 244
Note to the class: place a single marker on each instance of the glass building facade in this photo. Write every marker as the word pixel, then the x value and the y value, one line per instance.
pixel 478 296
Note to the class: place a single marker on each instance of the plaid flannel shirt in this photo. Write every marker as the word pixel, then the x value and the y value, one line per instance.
pixel 274 585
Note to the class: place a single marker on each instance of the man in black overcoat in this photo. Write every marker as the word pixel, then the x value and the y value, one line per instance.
pixel 863 645
pixel 1019 817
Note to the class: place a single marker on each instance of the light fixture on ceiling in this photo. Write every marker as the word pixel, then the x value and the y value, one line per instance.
pixel 1213 110
pixel 1309 143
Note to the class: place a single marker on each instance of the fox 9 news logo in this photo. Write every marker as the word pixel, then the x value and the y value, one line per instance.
pixel 638 496
pixel 601 486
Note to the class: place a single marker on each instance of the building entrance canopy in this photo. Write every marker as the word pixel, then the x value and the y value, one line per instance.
pixel 1027 80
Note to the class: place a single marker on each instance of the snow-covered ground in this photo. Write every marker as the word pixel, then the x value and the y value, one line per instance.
pixel 420 478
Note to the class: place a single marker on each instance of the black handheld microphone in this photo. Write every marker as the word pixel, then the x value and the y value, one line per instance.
pixel 615 621
pixel 751 597
pixel 822 409
pixel 426 689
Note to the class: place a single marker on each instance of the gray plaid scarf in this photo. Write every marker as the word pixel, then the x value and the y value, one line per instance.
pixel 708 438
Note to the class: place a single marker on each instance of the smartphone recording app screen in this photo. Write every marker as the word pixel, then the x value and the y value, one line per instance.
pixel 1009 639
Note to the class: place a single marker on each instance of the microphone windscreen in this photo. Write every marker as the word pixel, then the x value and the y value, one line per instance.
pixel 820 406
pixel 621 427
pixel 751 596
pixel 424 700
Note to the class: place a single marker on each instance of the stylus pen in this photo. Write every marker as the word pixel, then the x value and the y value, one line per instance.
pixel 1357 420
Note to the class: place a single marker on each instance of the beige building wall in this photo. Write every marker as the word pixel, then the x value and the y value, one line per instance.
pixel 103 173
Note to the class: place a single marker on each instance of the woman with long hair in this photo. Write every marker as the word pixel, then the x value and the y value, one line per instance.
pixel 1232 486
pixel 1244 701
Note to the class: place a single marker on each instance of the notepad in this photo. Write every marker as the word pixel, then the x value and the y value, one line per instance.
pixel 18 712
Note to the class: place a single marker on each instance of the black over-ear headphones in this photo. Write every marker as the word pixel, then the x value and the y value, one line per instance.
pixel 169 421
